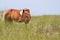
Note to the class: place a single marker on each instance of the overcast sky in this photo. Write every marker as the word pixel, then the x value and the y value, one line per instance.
pixel 37 7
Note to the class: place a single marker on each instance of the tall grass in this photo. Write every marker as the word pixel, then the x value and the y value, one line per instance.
pixel 39 28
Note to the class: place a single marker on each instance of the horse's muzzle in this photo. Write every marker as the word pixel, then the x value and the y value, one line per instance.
pixel 20 19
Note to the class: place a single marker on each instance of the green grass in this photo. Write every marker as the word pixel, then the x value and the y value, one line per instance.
pixel 39 28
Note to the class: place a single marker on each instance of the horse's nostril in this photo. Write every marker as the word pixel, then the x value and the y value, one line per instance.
pixel 19 21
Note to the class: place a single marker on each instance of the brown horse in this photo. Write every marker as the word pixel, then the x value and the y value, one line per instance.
pixel 17 15
pixel 26 16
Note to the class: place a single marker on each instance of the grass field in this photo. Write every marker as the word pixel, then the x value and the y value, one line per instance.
pixel 40 28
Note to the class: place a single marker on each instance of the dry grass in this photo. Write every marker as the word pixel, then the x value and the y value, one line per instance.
pixel 39 28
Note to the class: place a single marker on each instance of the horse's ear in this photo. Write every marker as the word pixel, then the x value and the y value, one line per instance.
pixel 11 9
pixel 23 10
pixel 28 10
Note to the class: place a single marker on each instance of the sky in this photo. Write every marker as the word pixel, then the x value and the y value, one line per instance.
pixel 37 7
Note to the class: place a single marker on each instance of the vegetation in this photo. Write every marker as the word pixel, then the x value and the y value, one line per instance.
pixel 39 28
